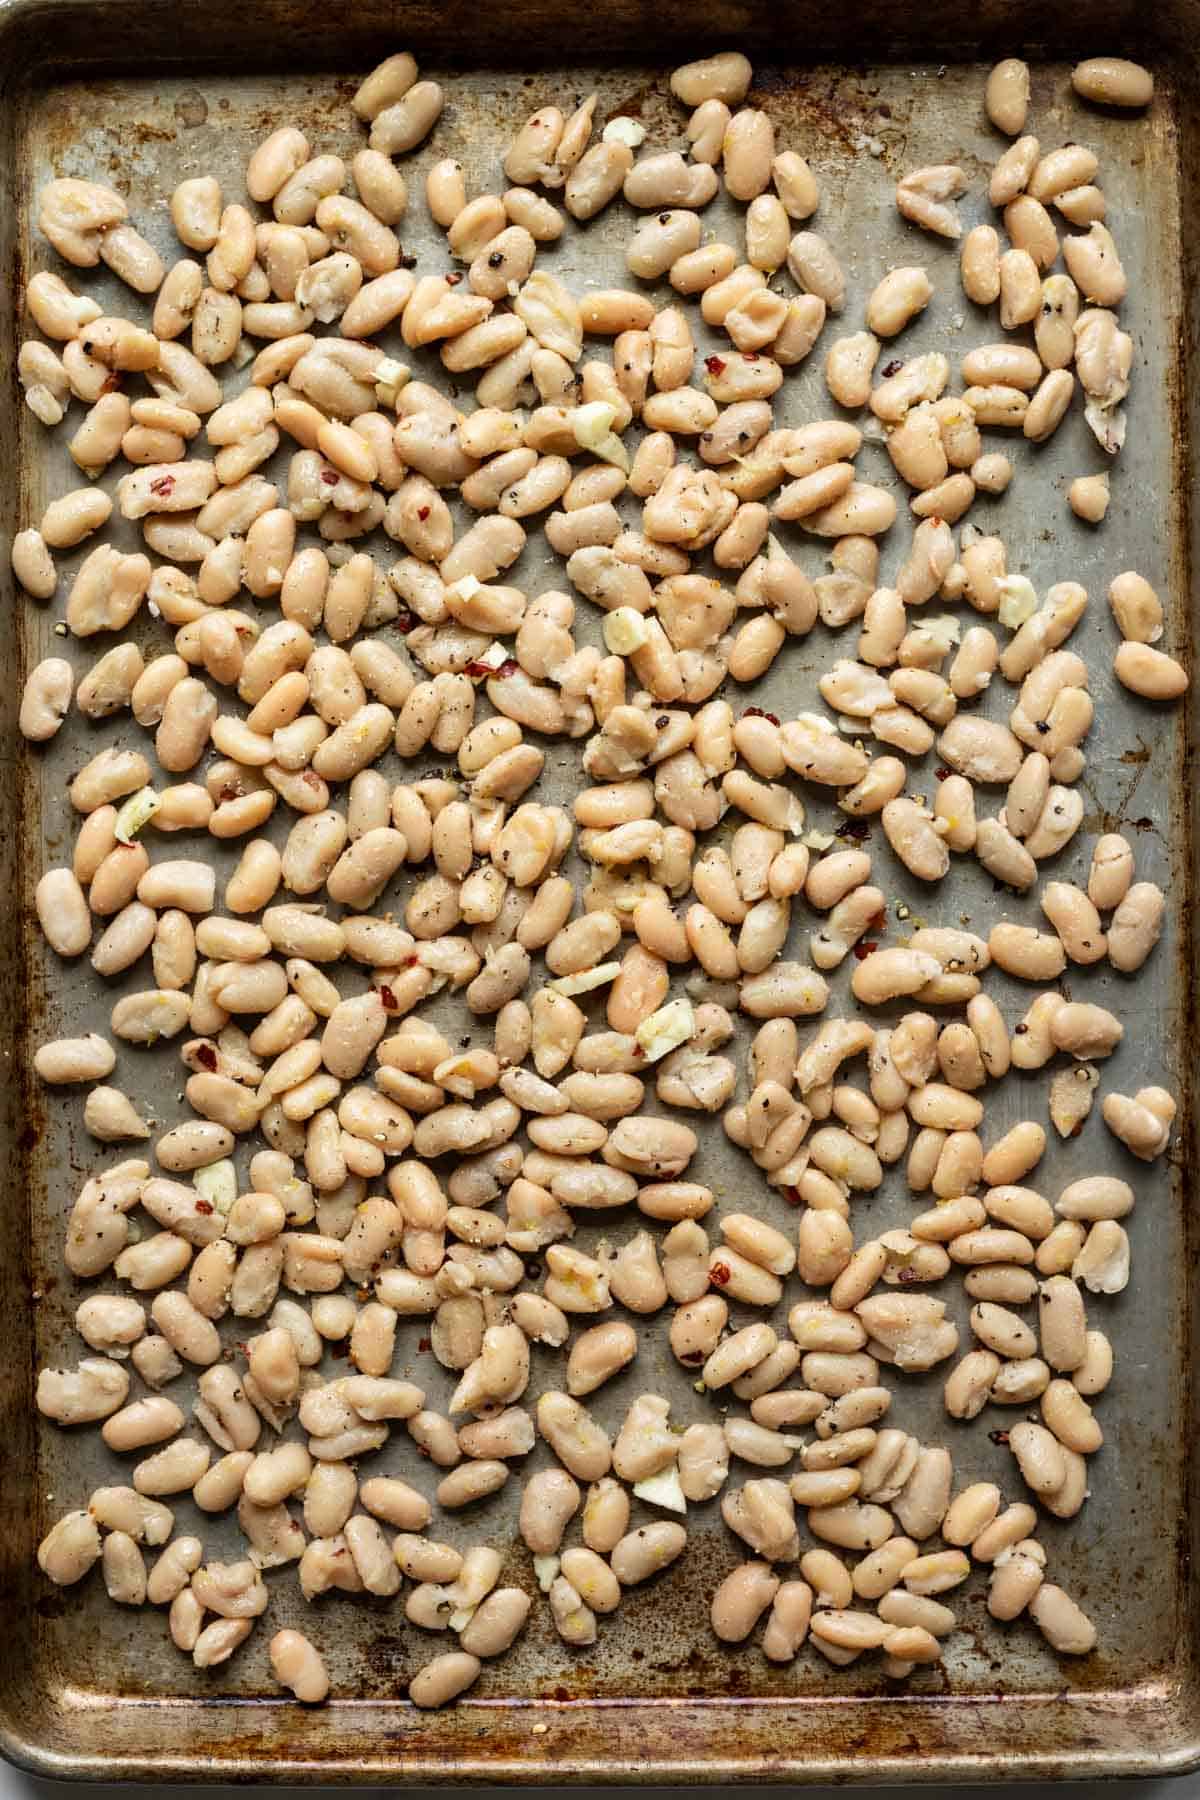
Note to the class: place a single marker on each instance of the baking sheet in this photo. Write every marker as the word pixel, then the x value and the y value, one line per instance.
pixel 97 1687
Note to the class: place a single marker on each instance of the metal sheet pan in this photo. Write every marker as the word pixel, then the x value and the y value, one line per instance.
pixel 141 94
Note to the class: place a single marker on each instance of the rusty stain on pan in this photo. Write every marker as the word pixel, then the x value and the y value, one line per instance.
pixel 142 96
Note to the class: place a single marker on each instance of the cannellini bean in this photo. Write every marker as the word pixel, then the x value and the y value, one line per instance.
pixel 887 974
pixel 70 1548
pixel 1006 96
pixel 444 1679
pixel 816 270
pixel 33 565
pixel 1111 871
pixel 1148 672
pixel 979 262
pixel 913 835
pixel 1136 607
pixel 897 299
pixel 1063 1624
pixel 643 1552
pixel 297 1664
pixel 1113 81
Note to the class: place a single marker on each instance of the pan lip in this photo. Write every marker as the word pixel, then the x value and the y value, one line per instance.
pixel 217 1770
pixel 587 1764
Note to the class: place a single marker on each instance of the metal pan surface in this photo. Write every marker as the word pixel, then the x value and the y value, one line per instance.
pixel 142 95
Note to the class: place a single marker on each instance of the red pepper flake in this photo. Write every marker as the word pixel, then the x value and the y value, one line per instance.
pixel 112 384
pixel 453 280
pixel 756 712
pixel 406 622
pixel 329 477
pixel 998 1437
pixel 389 1000
pixel 864 948
pixel 206 1056
pixel 204 1206
pixel 721 1274
pixel 422 513
pixel 943 773
pixel 749 355
pixel 164 485
pixel 478 668
pixel 638 1053
pixel 410 962
pixel 893 368
pixel 793 1196
pixel 509 666
pixel 715 365
pixel 423 1343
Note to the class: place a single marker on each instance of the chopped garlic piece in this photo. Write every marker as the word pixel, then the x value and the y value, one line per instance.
pixel 390 377
pixel 663 1490
pixel 611 450
pixel 668 1028
pixel 494 657
pixel 452 1069
pixel 466 587
pixel 137 811
pixel 592 422
pixel 942 628
pixel 818 840
pixel 1018 600
pixel 217 1183
pixel 624 630
pixel 623 130
pixel 461 1618
pixel 592 425
pixel 546 1569
pixel 586 979
pixel 1107 424
pixel 1072 1092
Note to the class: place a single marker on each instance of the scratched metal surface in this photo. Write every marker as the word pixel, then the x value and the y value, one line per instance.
pixel 97 1686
